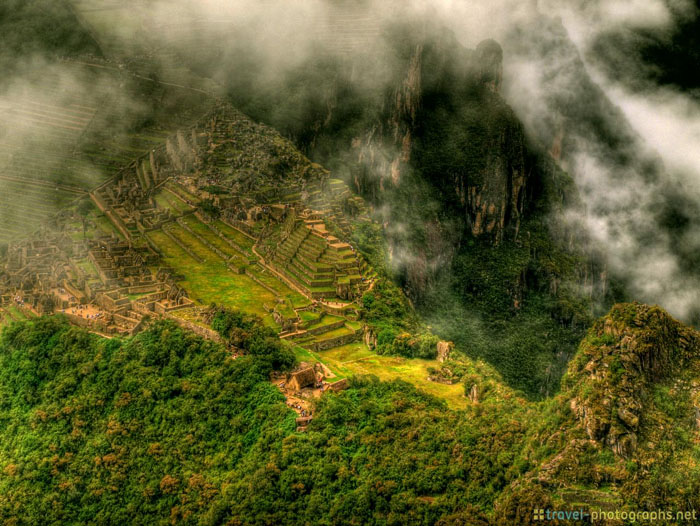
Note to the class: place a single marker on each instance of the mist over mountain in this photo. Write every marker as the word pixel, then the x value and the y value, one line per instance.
pixel 348 262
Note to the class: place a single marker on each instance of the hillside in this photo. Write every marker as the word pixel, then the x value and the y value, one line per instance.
pixel 73 117
pixel 626 428
pixel 489 248
pixel 179 430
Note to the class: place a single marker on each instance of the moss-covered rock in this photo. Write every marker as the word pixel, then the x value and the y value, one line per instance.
pixel 624 355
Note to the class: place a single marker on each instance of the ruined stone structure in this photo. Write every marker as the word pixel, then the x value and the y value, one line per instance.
pixel 316 261
pixel 128 200
pixel 225 173
pixel 104 284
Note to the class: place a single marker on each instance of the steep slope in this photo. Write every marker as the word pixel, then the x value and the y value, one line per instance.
pixel 34 29
pixel 71 117
pixel 628 426
pixel 480 244
pixel 165 426
pixel 629 191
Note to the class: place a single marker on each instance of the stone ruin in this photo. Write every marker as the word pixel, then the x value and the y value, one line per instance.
pixel 104 284
pixel 128 200
pixel 318 262
pixel 262 186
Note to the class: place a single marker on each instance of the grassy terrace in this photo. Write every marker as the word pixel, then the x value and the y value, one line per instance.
pixel 307 316
pixel 102 226
pixel 342 331
pixel 207 233
pixel 328 292
pixel 88 267
pixel 168 201
pixel 207 256
pixel 326 319
pixel 14 313
pixel 181 191
pixel 79 138
pixel 23 207
pixel 236 236
pixel 296 299
pixel 305 355
pixel 356 358
pixel 9 314
pixel 211 283
pixel 213 259
pixel 106 227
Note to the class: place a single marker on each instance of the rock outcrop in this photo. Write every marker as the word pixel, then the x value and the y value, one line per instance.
pixel 625 354
pixel 446 106
pixel 444 350
pixel 626 420
pixel 489 57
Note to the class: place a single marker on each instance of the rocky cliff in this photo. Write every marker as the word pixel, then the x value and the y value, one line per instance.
pixel 625 356
pixel 444 118
pixel 626 424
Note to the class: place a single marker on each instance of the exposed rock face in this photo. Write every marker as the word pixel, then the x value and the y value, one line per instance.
pixel 385 148
pixel 474 394
pixel 489 56
pixel 445 120
pixel 444 349
pixel 499 199
pixel 627 352
pixel 370 338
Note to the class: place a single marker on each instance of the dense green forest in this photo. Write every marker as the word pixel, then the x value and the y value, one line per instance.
pixel 165 427
pixel 168 427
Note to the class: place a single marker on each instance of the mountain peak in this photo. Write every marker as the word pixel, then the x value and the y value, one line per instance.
pixel 625 354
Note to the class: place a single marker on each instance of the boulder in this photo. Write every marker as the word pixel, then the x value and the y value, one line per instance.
pixel 444 350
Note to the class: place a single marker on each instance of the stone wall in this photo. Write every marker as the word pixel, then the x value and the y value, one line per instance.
pixel 336 342
pixel 204 332
pixel 243 227
pixel 259 282
pixel 93 324
pixel 326 328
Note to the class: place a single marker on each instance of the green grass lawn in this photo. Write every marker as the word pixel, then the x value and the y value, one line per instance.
pixel 342 331
pixel 168 201
pixel 196 246
pixel 236 236
pixel 297 300
pixel 217 262
pixel 356 358
pixel 181 191
pixel 88 267
pixel 213 282
pixel 308 315
pixel 327 319
pixel 203 230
